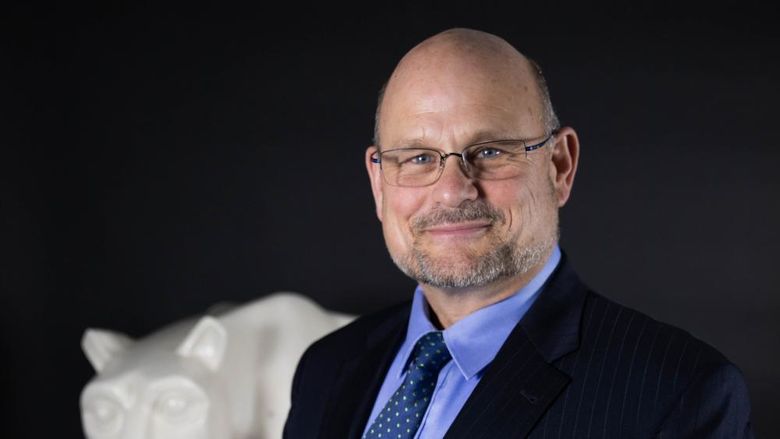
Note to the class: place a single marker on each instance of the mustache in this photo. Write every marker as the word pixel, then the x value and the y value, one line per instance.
pixel 470 211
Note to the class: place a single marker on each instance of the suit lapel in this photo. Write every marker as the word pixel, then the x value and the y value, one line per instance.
pixel 360 378
pixel 520 384
pixel 514 393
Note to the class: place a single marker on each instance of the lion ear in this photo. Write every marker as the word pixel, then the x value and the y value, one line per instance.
pixel 100 346
pixel 206 342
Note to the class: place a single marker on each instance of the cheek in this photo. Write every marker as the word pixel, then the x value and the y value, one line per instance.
pixel 540 209
pixel 398 207
pixel 522 201
pixel 403 203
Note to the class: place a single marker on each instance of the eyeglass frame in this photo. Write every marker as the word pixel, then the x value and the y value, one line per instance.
pixel 464 164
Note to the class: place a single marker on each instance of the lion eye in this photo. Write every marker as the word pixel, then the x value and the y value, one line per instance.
pixel 103 416
pixel 172 406
pixel 179 407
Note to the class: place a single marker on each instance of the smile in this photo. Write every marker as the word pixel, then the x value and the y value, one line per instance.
pixel 456 230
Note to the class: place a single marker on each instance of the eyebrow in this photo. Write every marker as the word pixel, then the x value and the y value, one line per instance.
pixel 478 137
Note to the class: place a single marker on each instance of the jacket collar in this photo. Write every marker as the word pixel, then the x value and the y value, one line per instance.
pixel 520 385
pixel 553 322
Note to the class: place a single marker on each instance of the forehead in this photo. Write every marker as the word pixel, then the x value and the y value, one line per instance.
pixel 459 100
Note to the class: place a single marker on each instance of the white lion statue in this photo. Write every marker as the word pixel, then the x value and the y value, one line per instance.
pixel 221 376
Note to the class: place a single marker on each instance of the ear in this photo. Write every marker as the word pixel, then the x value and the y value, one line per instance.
pixel 565 156
pixel 375 175
pixel 206 342
pixel 100 346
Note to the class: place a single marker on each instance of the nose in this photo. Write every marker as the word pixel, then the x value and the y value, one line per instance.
pixel 454 186
pixel 136 424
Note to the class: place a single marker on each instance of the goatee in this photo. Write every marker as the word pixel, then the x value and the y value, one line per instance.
pixel 503 259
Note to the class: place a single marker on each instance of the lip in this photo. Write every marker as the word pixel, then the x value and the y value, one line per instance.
pixel 459 229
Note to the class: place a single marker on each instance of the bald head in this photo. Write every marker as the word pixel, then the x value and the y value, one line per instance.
pixel 468 59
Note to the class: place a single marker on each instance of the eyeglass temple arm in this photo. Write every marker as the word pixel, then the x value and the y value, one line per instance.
pixel 540 144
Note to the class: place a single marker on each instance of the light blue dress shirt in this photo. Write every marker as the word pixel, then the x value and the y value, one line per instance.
pixel 473 342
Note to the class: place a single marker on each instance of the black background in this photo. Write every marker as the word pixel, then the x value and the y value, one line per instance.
pixel 155 162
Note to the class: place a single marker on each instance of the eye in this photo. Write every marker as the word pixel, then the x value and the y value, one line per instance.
pixel 102 416
pixel 172 405
pixel 177 407
pixel 421 159
pixel 486 152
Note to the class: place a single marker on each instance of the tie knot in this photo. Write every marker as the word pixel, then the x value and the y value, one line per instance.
pixel 430 352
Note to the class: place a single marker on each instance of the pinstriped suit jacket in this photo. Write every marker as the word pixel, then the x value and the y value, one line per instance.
pixel 578 365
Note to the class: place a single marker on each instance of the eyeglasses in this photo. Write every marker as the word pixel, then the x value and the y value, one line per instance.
pixel 492 160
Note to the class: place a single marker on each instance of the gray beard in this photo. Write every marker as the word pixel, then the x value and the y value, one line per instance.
pixel 504 260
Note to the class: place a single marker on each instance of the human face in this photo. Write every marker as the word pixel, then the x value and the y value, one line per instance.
pixel 461 232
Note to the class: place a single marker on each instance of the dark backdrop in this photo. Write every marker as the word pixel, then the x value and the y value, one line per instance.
pixel 157 162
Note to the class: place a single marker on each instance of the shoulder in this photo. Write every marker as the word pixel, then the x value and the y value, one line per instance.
pixel 611 325
pixel 658 372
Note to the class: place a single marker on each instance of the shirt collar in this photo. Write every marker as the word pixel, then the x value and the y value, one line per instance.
pixel 475 340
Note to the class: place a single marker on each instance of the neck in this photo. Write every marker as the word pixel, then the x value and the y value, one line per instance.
pixel 450 305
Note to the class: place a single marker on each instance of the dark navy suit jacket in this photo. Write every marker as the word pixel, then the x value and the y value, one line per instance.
pixel 578 365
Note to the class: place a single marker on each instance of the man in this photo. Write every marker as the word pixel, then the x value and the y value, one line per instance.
pixel 501 339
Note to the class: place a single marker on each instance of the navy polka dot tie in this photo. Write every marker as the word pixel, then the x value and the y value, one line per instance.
pixel 401 416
